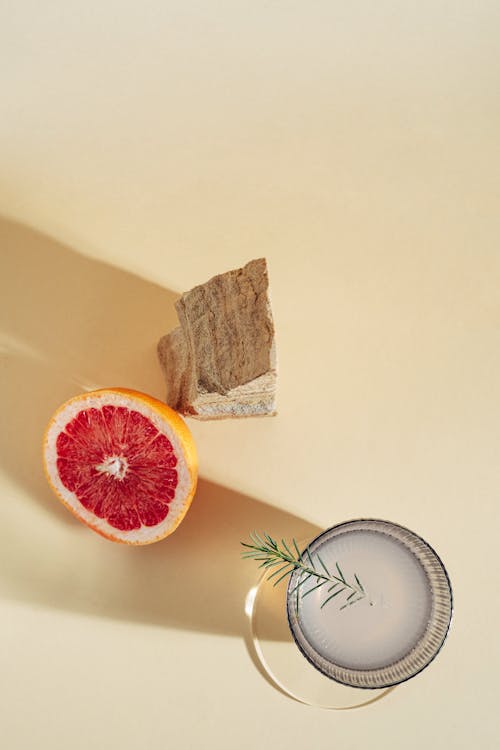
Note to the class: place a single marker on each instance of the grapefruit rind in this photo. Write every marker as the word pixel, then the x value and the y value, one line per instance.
pixel 167 421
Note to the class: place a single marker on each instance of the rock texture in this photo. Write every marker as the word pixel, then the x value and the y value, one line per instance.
pixel 221 361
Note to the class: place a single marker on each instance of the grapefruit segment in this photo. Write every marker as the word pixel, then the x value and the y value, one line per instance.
pixel 124 463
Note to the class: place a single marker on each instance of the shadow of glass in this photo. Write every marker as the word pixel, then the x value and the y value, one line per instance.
pixel 193 580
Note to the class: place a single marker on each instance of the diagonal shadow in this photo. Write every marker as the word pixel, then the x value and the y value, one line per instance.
pixel 193 580
pixel 95 323
pixel 70 323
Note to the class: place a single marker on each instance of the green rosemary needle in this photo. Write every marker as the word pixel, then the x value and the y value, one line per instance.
pixel 281 561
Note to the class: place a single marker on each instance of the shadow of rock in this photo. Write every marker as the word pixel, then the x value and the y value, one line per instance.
pixel 96 324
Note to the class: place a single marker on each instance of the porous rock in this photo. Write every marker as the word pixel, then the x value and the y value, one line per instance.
pixel 221 361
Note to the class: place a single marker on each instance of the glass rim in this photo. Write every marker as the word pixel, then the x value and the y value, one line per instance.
pixel 425 649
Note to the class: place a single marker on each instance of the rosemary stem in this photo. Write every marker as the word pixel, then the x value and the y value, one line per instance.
pixel 269 551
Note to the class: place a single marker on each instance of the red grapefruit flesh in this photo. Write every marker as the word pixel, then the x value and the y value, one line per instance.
pixel 123 462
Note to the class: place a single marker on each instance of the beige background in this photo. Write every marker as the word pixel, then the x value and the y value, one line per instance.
pixel 145 147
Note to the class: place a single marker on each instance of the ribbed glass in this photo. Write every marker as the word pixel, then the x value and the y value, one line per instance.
pixel 431 640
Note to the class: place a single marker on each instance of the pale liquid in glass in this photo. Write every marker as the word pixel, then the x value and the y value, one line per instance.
pixel 388 622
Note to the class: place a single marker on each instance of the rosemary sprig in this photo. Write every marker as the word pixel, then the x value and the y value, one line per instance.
pixel 268 552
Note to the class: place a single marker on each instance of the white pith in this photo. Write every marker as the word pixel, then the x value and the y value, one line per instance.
pixel 98 400
pixel 115 466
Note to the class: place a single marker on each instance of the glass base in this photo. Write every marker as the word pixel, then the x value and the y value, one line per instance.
pixel 278 659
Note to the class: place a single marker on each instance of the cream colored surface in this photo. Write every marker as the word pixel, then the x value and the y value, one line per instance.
pixel 147 146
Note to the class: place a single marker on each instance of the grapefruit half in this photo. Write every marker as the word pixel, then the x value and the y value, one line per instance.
pixel 124 463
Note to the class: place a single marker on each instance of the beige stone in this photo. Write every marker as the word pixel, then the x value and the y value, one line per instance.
pixel 221 361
